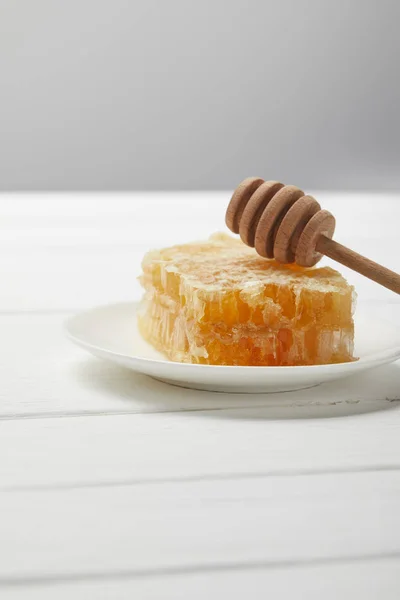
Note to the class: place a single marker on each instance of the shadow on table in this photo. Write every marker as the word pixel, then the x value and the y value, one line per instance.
pixel 135 393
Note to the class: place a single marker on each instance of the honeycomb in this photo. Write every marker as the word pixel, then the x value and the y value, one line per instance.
pixel 217 302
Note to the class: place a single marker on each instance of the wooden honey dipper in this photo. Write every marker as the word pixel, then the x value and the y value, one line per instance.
pixel 281 222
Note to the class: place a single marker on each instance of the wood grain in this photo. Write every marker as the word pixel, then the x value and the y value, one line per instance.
pixel 114 486
pixel 131 449
pixel 347 257
pixel 366 579
pixel 199 525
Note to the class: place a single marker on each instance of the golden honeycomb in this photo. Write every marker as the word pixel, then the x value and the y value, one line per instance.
pixel 217 302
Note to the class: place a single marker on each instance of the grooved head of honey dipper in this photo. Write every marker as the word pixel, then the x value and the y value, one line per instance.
pixel 255 210
pixel 291 227
pixel 322 223
pixel 239 200
pixel 271 218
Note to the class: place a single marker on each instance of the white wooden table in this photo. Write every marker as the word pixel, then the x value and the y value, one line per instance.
pixel 113 485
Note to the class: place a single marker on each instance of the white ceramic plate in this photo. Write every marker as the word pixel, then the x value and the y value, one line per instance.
pixel 110 332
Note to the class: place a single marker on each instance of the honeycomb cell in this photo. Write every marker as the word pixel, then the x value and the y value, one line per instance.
pixel 217 302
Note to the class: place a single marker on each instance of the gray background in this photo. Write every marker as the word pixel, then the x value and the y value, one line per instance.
pixel 182 94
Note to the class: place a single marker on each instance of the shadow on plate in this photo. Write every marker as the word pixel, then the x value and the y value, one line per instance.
pixel 375 390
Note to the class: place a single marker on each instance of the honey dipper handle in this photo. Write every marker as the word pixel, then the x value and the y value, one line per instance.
pixel 361 264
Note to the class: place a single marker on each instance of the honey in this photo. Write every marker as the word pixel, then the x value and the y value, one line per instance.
pixel 218 302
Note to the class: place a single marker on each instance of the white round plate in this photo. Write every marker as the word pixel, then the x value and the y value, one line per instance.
pixel 110 332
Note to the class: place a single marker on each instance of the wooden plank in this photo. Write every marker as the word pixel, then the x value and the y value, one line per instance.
pixel 71 252
pixel 69 278
pixel 169 526
pixel 366 580
pixel 43 373
pixel 185 499
pixel 241 442
pixel 63 206
pixel 72 278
